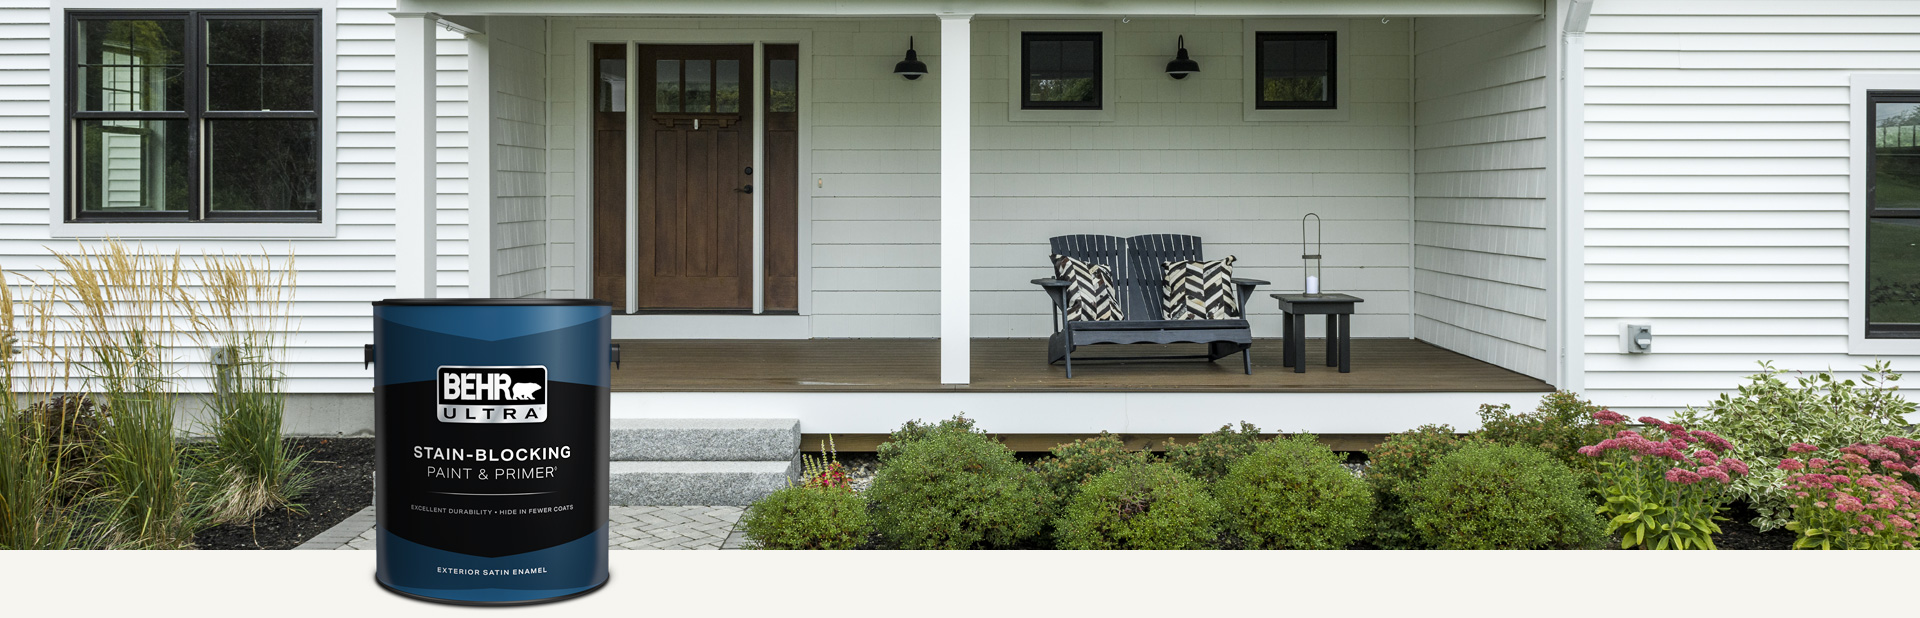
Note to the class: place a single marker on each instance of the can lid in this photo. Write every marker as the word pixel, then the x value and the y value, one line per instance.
pixel 514 302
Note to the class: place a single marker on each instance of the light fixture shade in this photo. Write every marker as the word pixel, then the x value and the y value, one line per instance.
pixel 1181 65
pixel 912 67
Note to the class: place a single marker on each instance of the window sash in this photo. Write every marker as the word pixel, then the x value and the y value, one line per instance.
pixel 1260 40
pixel 1884 330
pixel 195 64
pixel 1027 39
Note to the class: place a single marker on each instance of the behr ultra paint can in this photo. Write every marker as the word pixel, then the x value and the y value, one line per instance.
pixel 490 420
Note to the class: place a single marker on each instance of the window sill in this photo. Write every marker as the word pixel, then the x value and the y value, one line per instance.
pixel 170 229
pixel 1338 114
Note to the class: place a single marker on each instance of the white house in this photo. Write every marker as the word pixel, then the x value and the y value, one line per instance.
pixel 1508 184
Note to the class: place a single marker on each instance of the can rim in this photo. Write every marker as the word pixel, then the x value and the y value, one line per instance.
pixel 523 302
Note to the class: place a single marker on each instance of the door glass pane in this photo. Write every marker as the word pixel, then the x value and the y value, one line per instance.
pixel 270 165
pixel 131 65
pixel 666 86
pixel 259 65
pixel 1893 271
pixel 1896 155
pixel 612 88
pixel 699 86
pixel 726 91
pixel 783 86
pixel 132 165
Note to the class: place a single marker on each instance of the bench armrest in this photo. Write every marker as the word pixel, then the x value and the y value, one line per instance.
pixel 1051 283
pixel 1240 281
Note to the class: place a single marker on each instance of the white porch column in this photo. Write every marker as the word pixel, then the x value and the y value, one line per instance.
pixel 956 197
pixel 413 173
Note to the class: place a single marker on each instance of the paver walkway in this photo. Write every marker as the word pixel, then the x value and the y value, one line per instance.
pixel 629 527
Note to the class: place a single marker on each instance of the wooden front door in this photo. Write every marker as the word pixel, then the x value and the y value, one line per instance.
pixel 695 168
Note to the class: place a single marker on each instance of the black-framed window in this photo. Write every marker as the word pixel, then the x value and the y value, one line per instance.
pixel 1893 215
pixel 1062 70
pixel 1295 70
pixel 193 116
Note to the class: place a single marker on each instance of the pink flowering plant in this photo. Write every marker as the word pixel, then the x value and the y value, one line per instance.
pixel 1664 485
pixel 1862 499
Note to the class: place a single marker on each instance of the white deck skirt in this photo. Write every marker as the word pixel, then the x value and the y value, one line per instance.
pixel 1083 412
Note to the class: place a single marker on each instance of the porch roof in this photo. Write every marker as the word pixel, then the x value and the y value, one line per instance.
pixel 899 8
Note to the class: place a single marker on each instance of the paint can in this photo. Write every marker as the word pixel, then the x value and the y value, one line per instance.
pixel 490 420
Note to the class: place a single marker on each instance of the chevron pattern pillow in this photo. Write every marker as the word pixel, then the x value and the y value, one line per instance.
pixel 1090 295
pixel 1200 290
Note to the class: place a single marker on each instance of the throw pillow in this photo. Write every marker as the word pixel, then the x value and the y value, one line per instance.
pixel 1200 290
pixel 1090 295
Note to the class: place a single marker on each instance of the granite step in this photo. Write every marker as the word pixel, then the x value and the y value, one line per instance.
pixel 723 439
pixel 704 483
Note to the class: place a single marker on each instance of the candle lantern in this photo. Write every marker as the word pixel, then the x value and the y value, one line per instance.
pixel 1310 256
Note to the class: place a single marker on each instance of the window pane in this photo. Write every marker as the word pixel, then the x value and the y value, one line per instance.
pixel 1893 271
pixel 726 93
pixel 1896 155
pixel 132 165
pixel 1295 70
pixel 262 165
pixel 783 86
pixel 612 89
pixel 260 65
pixel 131 65
pixel 699 86
pixel 1063 69
pixel 666 86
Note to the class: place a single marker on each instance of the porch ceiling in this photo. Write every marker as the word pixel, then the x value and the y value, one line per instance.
pixel 1011 8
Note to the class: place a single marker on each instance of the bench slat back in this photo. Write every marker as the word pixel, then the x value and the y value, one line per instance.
pixel 1135 263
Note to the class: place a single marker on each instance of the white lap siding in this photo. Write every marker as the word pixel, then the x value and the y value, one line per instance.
pixel 1480 184
pixel 1717 203
pixel 338 276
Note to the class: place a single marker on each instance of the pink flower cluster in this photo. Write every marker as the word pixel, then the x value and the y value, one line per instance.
pixel 1862 492
pixel 1706 462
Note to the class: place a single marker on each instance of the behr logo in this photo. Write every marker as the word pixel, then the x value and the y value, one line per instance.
pixel 492 394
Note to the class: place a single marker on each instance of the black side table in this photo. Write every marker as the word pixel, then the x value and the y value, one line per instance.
pixel 1294 309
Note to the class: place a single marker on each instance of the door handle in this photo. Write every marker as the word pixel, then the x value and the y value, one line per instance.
pixel 746 189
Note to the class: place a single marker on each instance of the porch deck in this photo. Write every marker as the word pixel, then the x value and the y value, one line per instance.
pixel 1019 365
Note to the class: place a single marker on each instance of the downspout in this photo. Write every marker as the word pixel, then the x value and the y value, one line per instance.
pixel 1572 230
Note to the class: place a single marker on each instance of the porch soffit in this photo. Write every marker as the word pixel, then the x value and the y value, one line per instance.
pixel 1008 8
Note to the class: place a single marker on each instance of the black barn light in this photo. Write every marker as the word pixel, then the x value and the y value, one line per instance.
pixel 1181 65
pixel 911 68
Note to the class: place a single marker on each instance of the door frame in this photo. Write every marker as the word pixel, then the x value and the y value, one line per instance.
pixel 582 92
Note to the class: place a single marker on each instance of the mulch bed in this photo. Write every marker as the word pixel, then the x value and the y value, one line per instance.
pixel 342 473
pixel 1736 533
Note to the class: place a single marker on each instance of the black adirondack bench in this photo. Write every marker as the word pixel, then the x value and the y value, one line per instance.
pixel 1137 275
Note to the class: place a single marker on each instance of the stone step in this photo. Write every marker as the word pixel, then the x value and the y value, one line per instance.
pixel 719 439
pixel 702 483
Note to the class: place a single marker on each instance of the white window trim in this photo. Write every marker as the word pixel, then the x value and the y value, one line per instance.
pixel 1342 63
pixel 1858 128
pixel 1109 96
pixel 58 225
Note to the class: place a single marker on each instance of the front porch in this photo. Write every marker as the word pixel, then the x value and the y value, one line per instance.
pixel 1018 365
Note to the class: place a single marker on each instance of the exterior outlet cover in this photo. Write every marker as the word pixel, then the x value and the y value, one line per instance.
pixel 1639 338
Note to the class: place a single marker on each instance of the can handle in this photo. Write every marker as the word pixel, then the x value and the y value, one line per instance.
pixel 366 360
pixel 614 353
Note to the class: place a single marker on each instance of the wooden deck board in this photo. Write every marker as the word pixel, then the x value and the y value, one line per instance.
pixel 1019 365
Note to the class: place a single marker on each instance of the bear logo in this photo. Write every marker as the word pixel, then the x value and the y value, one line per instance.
pixel 524 391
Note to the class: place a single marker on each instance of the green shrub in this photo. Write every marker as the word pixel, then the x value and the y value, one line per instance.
pixel 1558 427
pixel 915 431
pixel 1292 493
pixel 1489 496
pixel 956 490
pixel 1209 457
pixel 1766 416
pixel 1069 466
pixel 800 517
pixel 1140 507
pixel 1394 467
